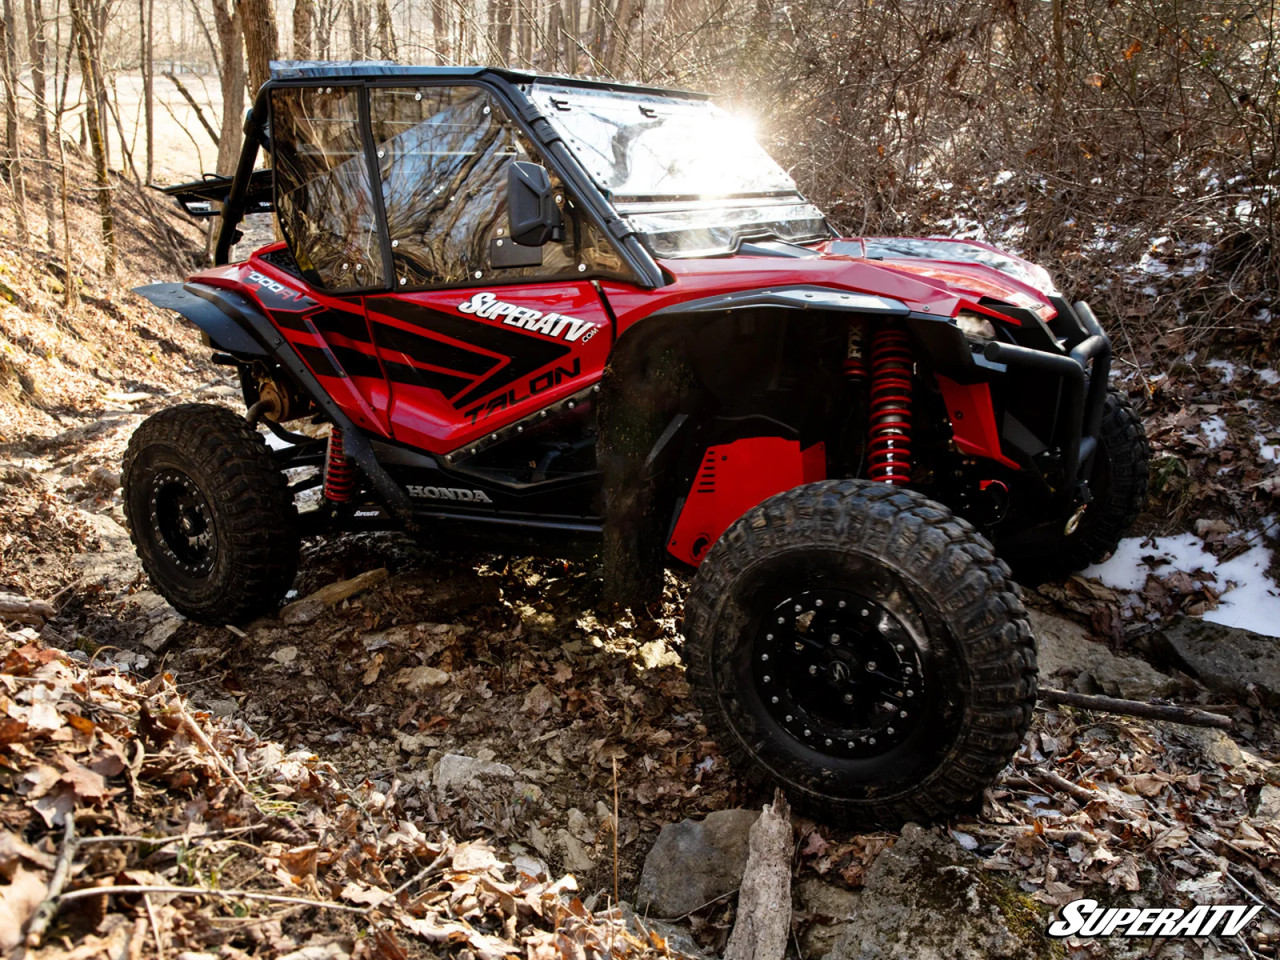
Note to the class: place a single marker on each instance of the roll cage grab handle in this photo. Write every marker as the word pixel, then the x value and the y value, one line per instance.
pixel 648 274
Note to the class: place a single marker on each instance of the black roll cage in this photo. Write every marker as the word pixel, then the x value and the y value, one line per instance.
pixel 245 187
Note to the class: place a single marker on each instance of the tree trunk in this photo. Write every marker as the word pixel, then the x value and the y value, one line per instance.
pixel 551 43
pixel 146 19
pixel 38 47
pixel 13 120
pixel 227 22
pixel 598 22
pixel 440 30
pixel 525 9
pixel 304 17
pixel 575 35
pixel 261 41
pixel 91 82
pixel 386 32
pixel 624 17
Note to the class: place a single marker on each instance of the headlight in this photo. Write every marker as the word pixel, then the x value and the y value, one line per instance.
pixel 974 326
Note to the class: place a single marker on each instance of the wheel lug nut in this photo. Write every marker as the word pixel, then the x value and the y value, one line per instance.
pixel 908 671
pixel 782 619
pixel 767 678
pixel 871 665
pixel 789 718
pixel 817 603
pixel 911 693
pixel 871 740
pixel 900 648
pixel 808 732
pixel 827 741
pixel 866 612
pixel 773 699
pixel 889 730
pixel 768 636
pixel 764 657
pixel 848 698
pixel 798 608
pixel 841 604
pixel 835 638
pixel 902 713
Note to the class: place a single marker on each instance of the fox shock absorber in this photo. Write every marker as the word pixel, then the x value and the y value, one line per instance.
pixel 889 440
pixel 855 358
pixel 339 475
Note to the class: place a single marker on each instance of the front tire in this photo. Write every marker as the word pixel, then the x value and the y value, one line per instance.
pixel 1121 470
pixel 861 647
pixel 210 514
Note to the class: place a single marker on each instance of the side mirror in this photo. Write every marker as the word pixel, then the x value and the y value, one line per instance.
pixel 532 215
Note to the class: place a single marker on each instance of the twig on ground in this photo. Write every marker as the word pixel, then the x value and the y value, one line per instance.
pixel 48 909
pixel 1191 716
pixel 1083 795
pixel 155 925
pixel 218 758
pixel 201 892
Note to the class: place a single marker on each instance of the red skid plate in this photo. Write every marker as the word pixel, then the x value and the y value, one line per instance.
pixel 732 479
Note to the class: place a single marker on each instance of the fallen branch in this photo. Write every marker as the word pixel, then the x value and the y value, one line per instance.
pixel 204 121
pixel 1191 716
pixel 201 892
pixel 1082 795
pixel 48 908
pixel 25 610
pixel 764 904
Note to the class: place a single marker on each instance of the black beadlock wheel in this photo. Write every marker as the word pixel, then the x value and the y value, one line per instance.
pixel 861 647
pixel 210 514
pixel 1121 471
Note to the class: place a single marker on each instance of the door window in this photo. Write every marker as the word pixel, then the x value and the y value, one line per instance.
pixel 324 197
pixel 443 155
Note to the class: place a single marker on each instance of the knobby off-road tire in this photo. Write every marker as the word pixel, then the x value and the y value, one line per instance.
pixel 861 647
pixel 210 514
pixel 1121 470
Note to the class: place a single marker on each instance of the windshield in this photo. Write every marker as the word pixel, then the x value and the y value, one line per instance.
pixel 688 176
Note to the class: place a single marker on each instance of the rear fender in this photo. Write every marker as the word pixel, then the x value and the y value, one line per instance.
pixel 220 327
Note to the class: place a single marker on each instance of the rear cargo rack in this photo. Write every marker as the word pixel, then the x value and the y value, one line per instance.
pixel 204 198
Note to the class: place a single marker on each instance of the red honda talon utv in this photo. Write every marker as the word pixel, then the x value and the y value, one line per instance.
pixel 543 314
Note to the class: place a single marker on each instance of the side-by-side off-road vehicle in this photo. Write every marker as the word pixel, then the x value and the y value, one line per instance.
pixel 546 315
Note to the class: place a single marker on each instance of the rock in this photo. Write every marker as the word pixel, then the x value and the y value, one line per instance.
pixel 161 632
pixel 421 679
pixel 311 606
pixel 1064 650
pixel 656 653
pixel 1226 659
pixel 456 772
pixel 830 910
pixel 286 654
pixel 103 479
pixel 695 861
pixel 1215 745
pixel 927 899
pixel 678 940
pixel 574 853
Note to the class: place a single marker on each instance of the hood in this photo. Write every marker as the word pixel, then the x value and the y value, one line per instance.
pixel 930 275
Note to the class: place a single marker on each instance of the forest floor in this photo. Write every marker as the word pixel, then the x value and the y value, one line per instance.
pixel 437 756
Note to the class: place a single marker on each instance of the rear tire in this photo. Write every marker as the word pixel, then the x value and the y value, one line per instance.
pixel 210 514
pixel 787 618
pixel 1121 470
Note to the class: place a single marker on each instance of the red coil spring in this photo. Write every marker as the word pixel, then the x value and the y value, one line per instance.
pixel 339 475
pixel 889 445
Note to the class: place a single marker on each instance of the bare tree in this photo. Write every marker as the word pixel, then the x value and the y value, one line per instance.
pixel 146 21
pixel 304 17
pixel 227 22
pixel 84 27
pixel 13 118
pixel 261 40
pixel 38 52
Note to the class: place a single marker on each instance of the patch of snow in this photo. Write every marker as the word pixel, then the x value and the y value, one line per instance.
pixel 1150 291
pixel 1215 431
pixel 1004 176
pixel 1248 598
pixel 1268 376
pixel 1226 366
pixel 1268 451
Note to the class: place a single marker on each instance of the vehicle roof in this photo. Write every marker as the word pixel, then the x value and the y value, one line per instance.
pixel 370 69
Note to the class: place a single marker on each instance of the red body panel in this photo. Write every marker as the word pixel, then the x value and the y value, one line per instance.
pixel 439 369
pixel 973 420
pixel 732 479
